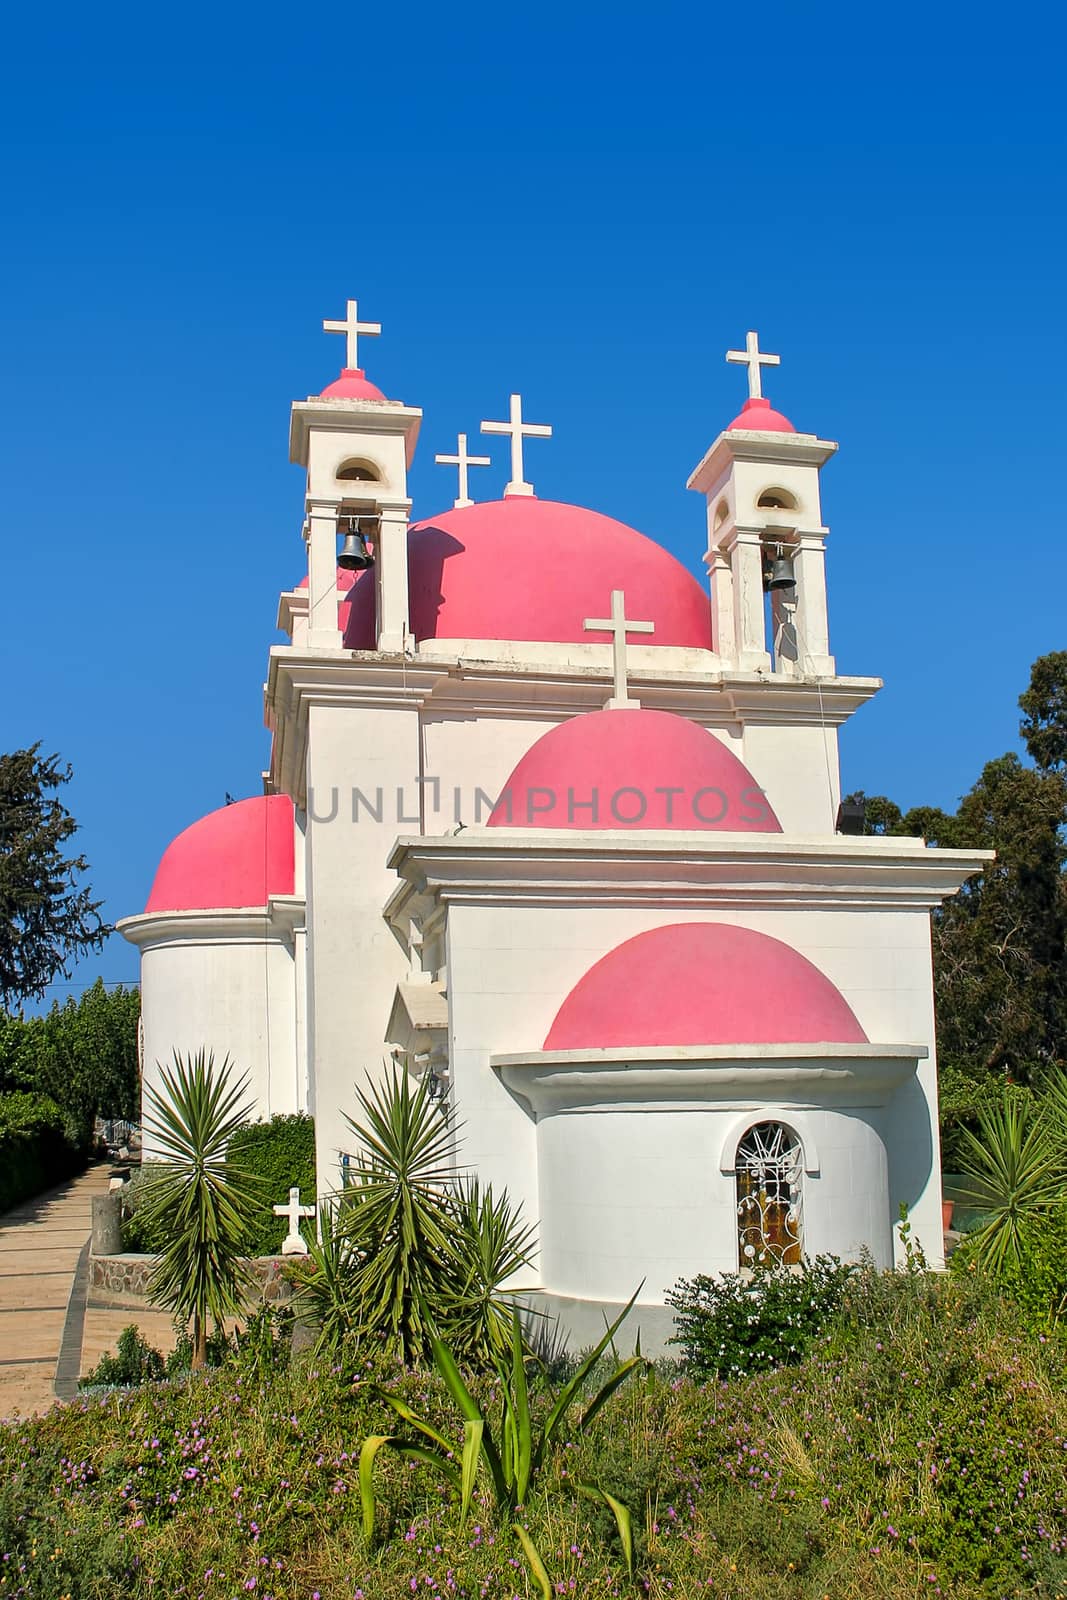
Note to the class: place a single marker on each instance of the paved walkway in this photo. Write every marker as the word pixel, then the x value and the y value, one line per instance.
pixel 41 1245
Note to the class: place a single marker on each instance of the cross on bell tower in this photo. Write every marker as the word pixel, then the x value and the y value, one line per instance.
pixel 618 625
pixel 753 358
pixel 351 327
pixel 518 430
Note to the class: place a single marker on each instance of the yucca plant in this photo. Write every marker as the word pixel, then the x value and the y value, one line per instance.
pixel 516 1451
pixel 415 1243
pixel 490 1244
pixel 197 1203
pixel 1013 1171
pixel 326 1285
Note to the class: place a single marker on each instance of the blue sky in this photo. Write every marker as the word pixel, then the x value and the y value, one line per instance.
pixel 588 204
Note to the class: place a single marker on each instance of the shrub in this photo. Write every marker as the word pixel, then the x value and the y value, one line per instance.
pixel 280 1153
pixel 35 1152
pixel 728 1325
pixel 135 1361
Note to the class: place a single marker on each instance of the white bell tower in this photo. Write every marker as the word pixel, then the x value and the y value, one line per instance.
pixel 761 482
pixel 356 447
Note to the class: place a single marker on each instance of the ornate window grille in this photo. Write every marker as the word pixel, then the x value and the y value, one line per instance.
pixel 769 1171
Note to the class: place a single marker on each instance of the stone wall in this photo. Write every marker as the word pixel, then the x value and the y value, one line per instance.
pixel 125 1277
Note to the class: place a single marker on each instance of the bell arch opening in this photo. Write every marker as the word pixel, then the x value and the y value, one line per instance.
pixel 358 472
pixel 769 1178
pixel 777 500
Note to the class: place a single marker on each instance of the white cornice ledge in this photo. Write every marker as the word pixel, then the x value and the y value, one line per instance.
pixel 220 925
pixel 701 1077
pixel 704 869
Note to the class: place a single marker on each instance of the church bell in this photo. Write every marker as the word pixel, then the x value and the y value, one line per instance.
pixel 781 574
pixel 355 556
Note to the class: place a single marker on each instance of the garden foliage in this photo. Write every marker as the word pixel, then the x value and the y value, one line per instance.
pixel 278 1153
pixel 729 1325
pixel 35 1150
pixel 921 1448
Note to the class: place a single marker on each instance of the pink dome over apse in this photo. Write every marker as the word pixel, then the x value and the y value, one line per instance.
pixel 633 769
pixel 353 384
pixel 529 569
pixel 761 417
pixel 239 855
pixel 702 983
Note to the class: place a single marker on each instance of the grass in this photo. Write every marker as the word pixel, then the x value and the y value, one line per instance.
pixel 920 1450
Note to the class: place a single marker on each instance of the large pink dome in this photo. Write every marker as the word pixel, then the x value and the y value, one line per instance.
pixel 239 855
pixel 702 983
pixel 632 769
pixel 529 569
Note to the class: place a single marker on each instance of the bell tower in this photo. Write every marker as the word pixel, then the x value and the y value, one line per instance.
pixel 356 447
pixel 766 537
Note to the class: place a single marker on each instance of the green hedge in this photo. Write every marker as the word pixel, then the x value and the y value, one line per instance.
pixel 281 1152
pixel 35 1152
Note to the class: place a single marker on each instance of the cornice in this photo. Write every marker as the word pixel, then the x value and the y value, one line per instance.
pixel 699 1077
pixel 220 925
pixel 685 870
pixel 351 416
pixel 744 444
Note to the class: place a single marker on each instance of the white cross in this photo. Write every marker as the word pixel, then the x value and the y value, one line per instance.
pixel 518 431
pixel 462 460
pixel 753 358
pixel 294 1243
pixel 618 626
pixel 351 327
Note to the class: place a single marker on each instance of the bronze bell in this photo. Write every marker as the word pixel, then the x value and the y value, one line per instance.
pixel 354 556
pixel 781 574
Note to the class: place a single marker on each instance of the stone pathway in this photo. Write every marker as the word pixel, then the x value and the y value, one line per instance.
pixel 42 1243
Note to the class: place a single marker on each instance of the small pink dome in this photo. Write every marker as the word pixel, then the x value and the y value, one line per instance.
pixel 632 769
pixel 351 385
pixel 701 983
pixel 529 569
pixel 760 416
pixel 239 855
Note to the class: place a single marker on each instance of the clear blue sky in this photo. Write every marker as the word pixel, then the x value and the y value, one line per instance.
pixel 585 203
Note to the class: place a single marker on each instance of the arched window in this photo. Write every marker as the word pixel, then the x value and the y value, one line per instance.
pixel 769 1173
pixel 357 472
pixel 777 500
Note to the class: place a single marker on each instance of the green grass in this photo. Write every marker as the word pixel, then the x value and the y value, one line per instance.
pixel 921 1449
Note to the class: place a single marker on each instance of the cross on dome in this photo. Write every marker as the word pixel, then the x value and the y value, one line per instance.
pixel 518 430
pixel 618 626
pixel 462 460
pixel 294 1243
pixel 351 327
pixel 753 358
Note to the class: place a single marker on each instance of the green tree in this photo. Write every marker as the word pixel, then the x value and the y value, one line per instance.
pixel 46 920
pixel 200 1204
pixel 1044 708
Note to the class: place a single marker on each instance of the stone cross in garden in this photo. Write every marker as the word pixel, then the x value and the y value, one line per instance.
pixel 351 327
pixel 462 460
pixel 753 358
pixel 618 625
pixel 517 430
pixel 294 1243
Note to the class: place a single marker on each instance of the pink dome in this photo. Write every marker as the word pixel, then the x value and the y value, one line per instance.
pixel 632 769
pixel 761 417
pixel 351 385
pixel 237 856
pixel 700 983
pixel 529 569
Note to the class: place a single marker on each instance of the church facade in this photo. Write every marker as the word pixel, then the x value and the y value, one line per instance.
pixel 553 822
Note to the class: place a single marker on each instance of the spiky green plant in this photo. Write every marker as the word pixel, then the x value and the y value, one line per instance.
pixel 516 1451
pixel 199 1205
pixel 327 1285
pixel 490 1244
pixel 1013 1173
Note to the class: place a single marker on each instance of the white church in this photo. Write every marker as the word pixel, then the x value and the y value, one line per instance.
pixel 556 823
